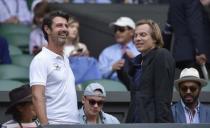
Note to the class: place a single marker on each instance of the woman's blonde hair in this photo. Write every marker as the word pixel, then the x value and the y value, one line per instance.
pixel 71 21
pixel 155 31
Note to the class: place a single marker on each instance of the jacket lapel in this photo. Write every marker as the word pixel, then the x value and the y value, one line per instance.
pixel 180 113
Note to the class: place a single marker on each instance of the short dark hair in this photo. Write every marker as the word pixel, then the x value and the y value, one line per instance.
pixel 49 18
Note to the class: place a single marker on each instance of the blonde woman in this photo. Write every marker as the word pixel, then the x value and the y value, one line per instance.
pixel 73 46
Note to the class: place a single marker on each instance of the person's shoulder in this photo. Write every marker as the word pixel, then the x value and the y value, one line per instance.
pixel 175 104
pixel 110 48
pixel 110 118
pixel 163 53
pixel 41 57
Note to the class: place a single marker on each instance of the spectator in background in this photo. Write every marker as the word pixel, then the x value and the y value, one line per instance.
pixel 14 11
pixel 35 2
pixel 91 111
pixel 84 67
pixel 37 40
pixel 111 58
pixel 53 83
pixel 73 46
pixel 21 108
pixel 4 52
pixel 151 77
pixel 190 27
pixel 189 109
pixel 92 1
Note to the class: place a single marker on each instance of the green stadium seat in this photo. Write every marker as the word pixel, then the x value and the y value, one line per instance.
pixel 22 60
pixel 7 29
pixel 14 50
pixel 109 85
pixel 20 40
pixel 8 85
pixel 14 72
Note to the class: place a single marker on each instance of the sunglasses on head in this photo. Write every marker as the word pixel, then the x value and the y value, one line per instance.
pixel 191 88
pixel 120 29
pixel 93 102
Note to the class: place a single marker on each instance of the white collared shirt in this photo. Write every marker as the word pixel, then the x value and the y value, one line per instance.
pixel 190 118
pixel 53 71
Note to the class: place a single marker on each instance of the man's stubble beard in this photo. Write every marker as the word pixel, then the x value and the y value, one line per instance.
pixel 59 41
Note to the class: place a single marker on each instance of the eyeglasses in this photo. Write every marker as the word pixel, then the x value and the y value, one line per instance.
pixel 191 88
pixel 120 29
pixel 93 102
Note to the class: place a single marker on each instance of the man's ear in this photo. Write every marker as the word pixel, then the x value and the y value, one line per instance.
pixel 83 99
pixel 47 29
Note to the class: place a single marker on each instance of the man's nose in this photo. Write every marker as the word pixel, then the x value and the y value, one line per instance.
pixel 188 90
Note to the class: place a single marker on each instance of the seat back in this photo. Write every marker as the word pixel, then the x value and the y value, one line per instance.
pixel 14 50
pixel 8 85
pixel 7 29
pixel 22 60
pixel 14 72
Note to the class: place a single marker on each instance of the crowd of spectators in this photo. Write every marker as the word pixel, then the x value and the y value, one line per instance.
pixel 139 58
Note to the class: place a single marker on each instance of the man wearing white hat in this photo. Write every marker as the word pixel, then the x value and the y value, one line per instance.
pixel 189 109
pixel 91 111
pixel 111 58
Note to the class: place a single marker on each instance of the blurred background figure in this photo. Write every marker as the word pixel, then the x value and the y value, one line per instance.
pixel 37 40
pixel 91 112
pixel 21 108
pixel 14 11
pixel 83 66
pixel 188 23
pixel 73 46
pixel 111 58
pixel 4 52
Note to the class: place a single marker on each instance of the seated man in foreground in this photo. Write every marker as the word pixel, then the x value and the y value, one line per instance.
pixel 91 111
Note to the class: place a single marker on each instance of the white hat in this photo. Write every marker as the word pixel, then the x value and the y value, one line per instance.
pixel 190 74
pixel 91 88
pixel 123 22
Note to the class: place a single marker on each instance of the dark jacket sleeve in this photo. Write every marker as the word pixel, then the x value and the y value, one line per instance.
pixel 163 86
pixel 123 73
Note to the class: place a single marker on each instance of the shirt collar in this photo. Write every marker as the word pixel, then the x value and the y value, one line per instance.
pixel 51 53
pixel 129 45
pixel 186 108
